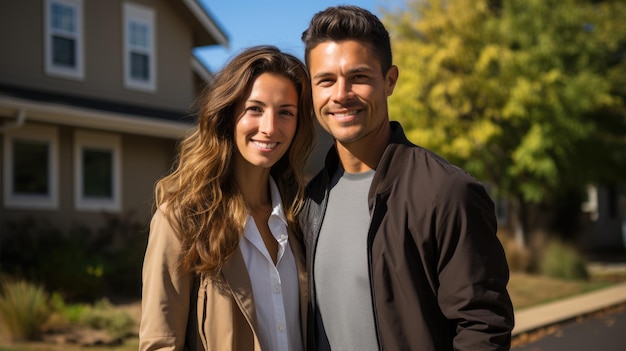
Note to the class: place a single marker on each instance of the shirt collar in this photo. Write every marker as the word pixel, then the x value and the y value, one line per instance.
pixel 277 203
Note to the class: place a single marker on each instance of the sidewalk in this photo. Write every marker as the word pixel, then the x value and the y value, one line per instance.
pixel 540 316
pixel 532 318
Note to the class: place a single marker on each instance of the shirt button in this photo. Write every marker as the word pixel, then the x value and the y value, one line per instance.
pixel 276 289
pixel 281 327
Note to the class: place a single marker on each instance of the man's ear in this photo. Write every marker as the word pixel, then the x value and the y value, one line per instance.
pixel 391 78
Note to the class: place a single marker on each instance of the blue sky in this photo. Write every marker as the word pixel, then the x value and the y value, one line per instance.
pixel 275 22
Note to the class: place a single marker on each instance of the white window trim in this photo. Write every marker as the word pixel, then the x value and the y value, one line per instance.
pixel 144 15
pixel 45 134
pixel 78 72
pixel 83 139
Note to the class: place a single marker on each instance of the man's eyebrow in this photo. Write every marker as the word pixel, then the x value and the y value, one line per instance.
pixel 322 75
pixel 359 69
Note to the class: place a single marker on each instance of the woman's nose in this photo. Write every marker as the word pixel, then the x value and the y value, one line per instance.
pixel 267 124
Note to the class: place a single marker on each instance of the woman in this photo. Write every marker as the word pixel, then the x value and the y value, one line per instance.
pixel 222 270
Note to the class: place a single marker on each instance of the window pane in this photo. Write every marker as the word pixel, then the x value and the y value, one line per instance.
pixel 63 17
pixel 30 168
pixel 139 68
pixel 63 51
pixel 138 35
pixel 97 173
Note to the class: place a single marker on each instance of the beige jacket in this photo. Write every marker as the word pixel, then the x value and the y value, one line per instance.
pixel 183 313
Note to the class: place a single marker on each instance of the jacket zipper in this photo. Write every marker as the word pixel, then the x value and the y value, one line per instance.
pixel 370 241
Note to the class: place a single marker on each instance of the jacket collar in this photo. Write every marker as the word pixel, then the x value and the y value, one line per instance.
pixel 381 178
pixel 237 279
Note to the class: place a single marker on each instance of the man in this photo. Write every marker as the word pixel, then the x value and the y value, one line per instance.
pixel 401 245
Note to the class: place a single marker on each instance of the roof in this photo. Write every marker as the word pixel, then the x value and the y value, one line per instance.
pixel 206 29
pixel 51 107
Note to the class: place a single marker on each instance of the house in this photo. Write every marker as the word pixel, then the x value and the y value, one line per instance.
pixel 604 219
pixel 94 96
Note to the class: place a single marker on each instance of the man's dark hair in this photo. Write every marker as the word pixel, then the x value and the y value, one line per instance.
pixel 340 23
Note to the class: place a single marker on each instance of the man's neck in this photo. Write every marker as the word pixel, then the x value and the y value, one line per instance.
pixel 364 155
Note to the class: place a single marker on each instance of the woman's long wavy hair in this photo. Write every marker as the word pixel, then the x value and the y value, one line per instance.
pixel 204 204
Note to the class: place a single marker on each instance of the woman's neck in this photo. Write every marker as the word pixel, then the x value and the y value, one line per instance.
pixel 254 186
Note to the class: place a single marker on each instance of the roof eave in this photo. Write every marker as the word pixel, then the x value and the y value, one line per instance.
pixel 207 22
pixel 94 119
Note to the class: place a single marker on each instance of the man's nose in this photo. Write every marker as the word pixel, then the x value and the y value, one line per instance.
pixel 342 89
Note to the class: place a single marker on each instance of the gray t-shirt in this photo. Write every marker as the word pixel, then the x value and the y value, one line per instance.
pixel 341 275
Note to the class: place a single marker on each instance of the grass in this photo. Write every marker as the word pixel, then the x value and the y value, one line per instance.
pixel 128 345
pixel 24 309
pixel 530 290
pixel 526 290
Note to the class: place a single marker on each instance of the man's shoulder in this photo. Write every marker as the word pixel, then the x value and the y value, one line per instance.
pixel 415 155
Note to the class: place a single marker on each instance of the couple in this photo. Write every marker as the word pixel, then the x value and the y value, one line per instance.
pixel 400 246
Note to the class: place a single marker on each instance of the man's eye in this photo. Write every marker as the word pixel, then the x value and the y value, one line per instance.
pixel 325 82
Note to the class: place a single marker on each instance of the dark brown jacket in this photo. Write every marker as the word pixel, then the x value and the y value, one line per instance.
pixel 438 271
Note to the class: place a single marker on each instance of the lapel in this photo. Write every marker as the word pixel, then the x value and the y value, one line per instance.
pixel 298 254
pixel 237 279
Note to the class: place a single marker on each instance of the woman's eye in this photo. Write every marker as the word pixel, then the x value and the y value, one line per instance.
pixel 254 109
pixel 287 113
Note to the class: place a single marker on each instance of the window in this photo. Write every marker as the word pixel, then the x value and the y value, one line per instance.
pixel 590 203
pixel 97 171
pixel 139 57
pixel 63 38
pixel 31 168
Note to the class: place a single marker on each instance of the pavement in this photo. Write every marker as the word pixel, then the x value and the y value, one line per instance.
pixel 533 318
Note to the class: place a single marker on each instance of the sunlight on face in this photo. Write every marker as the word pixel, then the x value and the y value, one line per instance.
pixel 266 122
pixel 349 89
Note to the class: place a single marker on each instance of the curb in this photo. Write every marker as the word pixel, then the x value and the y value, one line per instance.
pixel 540 316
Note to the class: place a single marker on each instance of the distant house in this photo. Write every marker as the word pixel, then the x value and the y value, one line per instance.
pixel 94 96
pixel 604 220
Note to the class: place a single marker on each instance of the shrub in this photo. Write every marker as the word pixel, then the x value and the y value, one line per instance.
pixel 82 264
pixel 102 315
pixel 560 260
pixel 24 310
pixel 518 257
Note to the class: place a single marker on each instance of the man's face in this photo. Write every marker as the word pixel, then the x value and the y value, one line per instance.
pixel 349 89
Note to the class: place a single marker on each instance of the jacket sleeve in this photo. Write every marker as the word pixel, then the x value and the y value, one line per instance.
pixel 165 296
pixel 473 272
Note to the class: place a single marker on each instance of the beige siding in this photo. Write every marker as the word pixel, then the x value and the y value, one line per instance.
pixel 21 40
pixel 22 59
pixel 141 172
pixel 144 161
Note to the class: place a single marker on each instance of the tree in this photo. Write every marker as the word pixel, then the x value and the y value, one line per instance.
pixel 527 95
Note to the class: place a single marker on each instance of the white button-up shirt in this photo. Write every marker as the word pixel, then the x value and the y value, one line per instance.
pixel 274 286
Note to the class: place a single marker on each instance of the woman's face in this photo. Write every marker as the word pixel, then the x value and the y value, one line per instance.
pixel 266 122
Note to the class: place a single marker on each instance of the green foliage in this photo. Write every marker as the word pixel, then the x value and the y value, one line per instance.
pixel 528 95
pixel 80 264
pixel 103 316
pixel 559 260
pixel 24 310
pixel 67 313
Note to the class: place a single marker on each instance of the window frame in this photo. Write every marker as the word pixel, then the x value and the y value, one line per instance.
pixel 77 72
pixel 144 16
pixel 48 135
pixel 104 141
